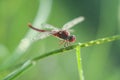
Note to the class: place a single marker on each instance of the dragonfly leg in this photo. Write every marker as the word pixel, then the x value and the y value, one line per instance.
pixel 67 43
pixel 62 42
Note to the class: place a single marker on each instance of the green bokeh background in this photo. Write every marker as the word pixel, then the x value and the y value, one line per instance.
pixel 100 62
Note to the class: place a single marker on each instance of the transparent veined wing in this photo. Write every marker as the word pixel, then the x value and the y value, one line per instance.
pixel 43 33
pixel 48 26
pixel 41 36
pixel 72 23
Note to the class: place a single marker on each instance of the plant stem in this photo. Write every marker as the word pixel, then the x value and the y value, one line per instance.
pixel 34 60
pixel 42 15
pixel 17 72
pixel 79 62
pixel 86 44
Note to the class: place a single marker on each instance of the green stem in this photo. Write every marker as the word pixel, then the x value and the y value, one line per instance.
pixel 86 44
pixel 79 62
pixel 34 60
pixel 41 17
pixel 17 72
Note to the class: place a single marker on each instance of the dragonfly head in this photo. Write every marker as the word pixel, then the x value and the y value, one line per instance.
pixel 71 38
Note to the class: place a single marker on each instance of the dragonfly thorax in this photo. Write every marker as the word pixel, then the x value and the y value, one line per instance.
pixel 62 34
pixel 65 35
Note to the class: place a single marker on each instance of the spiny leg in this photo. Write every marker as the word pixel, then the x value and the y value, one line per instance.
pixel 62 42
pixel 66 44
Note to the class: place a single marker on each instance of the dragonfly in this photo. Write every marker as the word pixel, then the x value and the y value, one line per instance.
pixel 63 34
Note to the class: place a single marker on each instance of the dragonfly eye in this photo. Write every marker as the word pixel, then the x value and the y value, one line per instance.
pixel 72 38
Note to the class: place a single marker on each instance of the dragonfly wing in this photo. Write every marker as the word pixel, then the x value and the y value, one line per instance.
pixel 48 26
pixel 41 36
pixel 72 23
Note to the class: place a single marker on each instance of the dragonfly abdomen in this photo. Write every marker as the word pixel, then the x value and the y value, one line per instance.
pixel 39 30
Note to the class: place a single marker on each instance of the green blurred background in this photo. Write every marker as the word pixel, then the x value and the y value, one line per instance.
pixel 100 62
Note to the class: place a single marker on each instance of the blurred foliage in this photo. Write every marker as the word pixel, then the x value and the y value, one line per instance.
pixel 100 62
